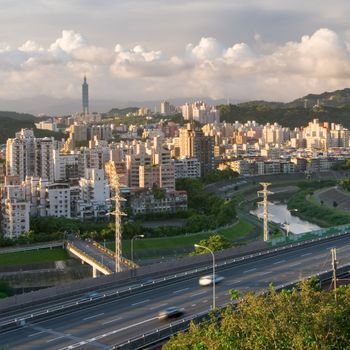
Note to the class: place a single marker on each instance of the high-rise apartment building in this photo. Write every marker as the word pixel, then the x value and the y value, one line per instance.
pixel 164 108
pixel 44 166
pixel 94 194
pixel 66 166
pixel 29 156
pixel 15 211
pixel 194 144
pixel 20 154
pixel 200 112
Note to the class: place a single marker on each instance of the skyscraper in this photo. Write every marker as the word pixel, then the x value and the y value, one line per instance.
pixel 85 96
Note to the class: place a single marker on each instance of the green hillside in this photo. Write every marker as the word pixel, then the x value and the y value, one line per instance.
pixel 121 112
pixel 333 107
pixel 11 122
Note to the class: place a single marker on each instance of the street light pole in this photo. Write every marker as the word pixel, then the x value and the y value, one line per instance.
pixel 132 245
pixel 213 256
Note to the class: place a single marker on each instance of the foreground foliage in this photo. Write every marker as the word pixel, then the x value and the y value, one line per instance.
pixel 304 318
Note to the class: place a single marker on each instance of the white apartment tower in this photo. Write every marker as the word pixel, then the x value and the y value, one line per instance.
pixel 15 212
pixel 94 186
pixel 44 165
pixel 165 108
pixel 20 154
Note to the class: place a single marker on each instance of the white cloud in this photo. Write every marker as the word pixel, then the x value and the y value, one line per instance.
pixel 68 42
pixel 316 62
pixel 30 46
pixel 207 49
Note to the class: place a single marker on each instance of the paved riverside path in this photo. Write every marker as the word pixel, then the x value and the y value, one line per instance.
pixel 117 320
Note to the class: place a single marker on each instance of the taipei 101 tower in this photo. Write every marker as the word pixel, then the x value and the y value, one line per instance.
pixel 85 96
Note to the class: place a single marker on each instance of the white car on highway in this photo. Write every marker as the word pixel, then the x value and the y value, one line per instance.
pixel 208 280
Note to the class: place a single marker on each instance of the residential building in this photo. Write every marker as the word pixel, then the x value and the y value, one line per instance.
pixel 147 201
pixel 187 168
pixel 15 212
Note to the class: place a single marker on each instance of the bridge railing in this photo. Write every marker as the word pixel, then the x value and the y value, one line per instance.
pixel 88 259
pixel 110 253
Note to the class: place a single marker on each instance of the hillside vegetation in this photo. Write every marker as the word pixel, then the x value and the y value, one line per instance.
pixel 328 106
pixel 11 122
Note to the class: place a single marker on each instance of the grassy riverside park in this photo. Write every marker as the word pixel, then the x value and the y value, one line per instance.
pixel 33 256
pixel 238 230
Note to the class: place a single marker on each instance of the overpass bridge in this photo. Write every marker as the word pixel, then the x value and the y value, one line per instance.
pixel 121 314
pixel 101 259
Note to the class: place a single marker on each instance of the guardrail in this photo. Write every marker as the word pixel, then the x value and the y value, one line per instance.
pixel 88 259
pixel 32 247
pixel 67 307
pixel 309 235
pixel 110 253
pixel 162 334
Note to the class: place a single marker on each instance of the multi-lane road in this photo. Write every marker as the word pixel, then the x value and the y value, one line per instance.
pixel 116 320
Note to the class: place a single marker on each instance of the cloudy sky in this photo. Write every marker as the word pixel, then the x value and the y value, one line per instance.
pixel 156 49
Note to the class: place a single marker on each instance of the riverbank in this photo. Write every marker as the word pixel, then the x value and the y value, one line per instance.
pixel 306 207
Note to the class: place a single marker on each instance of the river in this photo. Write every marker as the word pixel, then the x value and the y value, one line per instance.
pixel 279 214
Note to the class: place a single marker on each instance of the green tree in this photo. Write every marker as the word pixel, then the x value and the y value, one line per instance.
pixel 214 243
pixel 302 318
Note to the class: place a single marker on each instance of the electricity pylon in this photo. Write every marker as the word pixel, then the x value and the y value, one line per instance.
pixel 114 182
pixel 265 192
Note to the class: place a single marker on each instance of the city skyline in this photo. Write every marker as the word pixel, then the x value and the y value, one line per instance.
pixel 283 53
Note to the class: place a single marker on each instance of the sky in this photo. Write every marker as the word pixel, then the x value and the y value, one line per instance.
pixel 161 49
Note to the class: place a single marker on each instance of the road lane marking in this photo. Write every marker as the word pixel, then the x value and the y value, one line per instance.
pixel 205 301
pixel 110 321
pixel 279 262
pixel 158 306
pixel 251 270
pixel 76 345
pixel 295 264
pixel 34 334
pixel 141 302
pixel 53 339
pixel 93 316
pixel 199 293
pixel 193 305
pixel 306 254
pixel 180 290
pixel 235 282
pixel 265 273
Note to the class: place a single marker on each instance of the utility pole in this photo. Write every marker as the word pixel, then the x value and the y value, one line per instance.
pixel 265 192
pixel 334 268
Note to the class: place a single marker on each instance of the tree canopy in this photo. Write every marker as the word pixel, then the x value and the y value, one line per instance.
pixel 214 243
pixel 303 318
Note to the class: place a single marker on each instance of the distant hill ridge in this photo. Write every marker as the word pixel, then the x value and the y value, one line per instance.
pixel 11 122
pixel 328 106
pixel 333 107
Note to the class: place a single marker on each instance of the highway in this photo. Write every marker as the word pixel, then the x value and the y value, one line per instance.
pixel 115 321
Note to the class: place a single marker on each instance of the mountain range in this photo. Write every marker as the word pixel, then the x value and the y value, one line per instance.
pixel 327 106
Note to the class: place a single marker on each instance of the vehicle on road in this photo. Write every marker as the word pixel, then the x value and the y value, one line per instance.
pixel 170 312
pixel 208 280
